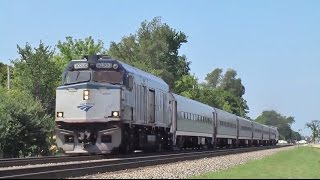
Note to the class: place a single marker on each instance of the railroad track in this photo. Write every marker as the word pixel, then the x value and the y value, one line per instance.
pixel 114 164
pixel 45 160
pixel 14 162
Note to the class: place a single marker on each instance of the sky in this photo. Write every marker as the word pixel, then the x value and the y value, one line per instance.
pixel 273 45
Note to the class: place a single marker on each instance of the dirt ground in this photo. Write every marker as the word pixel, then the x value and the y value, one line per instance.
pixel 314 145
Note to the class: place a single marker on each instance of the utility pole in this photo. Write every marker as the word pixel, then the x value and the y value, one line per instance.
pixel 300 135
pixel 8 76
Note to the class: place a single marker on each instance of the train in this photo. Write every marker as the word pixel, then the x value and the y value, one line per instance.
pixel 104 105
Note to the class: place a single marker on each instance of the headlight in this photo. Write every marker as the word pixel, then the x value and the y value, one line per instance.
pixel 60 114
pixel 86 94
pixel 115 66
pixel 115 113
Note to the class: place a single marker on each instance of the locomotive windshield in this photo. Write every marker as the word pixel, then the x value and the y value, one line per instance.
pixel 101 72
pixel 73 77
pixel 114 77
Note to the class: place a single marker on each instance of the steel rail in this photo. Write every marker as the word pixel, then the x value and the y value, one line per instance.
pixel 11 162
pixel 46 159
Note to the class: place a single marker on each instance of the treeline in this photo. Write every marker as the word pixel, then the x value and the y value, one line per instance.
pixel 282 122
pixel 27 110
pixel 314 126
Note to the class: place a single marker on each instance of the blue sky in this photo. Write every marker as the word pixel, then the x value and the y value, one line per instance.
pixel 273 45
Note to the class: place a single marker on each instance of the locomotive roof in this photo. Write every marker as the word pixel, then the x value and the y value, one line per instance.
pixel 150 77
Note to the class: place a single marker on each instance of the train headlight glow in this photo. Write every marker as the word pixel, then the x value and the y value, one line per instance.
pixel 60 114
pixel 86 94
pixel 115 113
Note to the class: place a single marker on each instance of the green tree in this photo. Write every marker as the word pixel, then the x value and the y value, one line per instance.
pixel 214 78
pixel 270 118
pixel 36 73
pixel 224 100
pixel 154 48
pixel 75 49
pixel 296 136
pixel 314 126
pixel 24 126
pixel 3 74
pixel 228 91
pixel 188 86
pixel 232 84
pixel 228 81
pixel 283 124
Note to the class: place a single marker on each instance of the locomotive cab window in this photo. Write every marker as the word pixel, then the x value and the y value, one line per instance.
pixel 72 77
pixel 113 77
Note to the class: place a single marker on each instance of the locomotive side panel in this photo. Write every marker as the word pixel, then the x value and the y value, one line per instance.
pixel 127 106
pixel 151 105
pixel 140 105
pixel 165 117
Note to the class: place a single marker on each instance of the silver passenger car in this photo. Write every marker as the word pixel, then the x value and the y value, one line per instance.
pixel 266 134
pixel 194 119
pixel 227 128
pixel 245 131
pixel 257 133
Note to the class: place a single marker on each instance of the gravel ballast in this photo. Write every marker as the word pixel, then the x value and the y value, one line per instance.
pixel 186 169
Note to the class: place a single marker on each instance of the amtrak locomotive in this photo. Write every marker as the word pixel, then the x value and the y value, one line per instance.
pixel 104 105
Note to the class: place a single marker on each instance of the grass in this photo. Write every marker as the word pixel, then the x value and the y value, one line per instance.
pixel 300 162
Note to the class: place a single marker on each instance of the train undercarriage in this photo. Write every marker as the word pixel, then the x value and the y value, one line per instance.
pixel 111 137
pixel 116 137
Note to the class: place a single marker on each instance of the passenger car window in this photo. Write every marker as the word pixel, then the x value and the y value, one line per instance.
pixel 130 82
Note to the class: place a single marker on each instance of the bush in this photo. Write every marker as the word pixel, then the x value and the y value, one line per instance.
pixel 24 127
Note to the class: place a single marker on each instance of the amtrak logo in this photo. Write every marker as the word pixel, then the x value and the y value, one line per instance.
pixel 85 106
